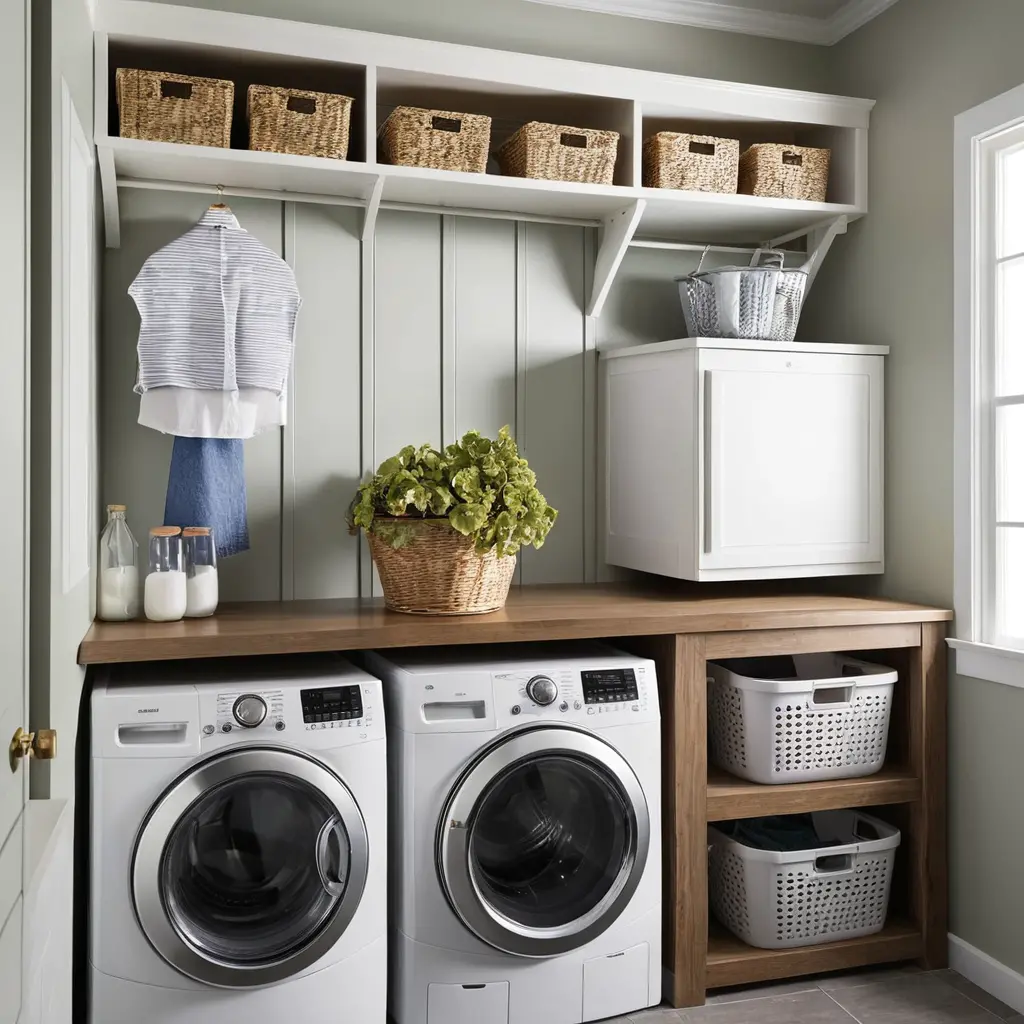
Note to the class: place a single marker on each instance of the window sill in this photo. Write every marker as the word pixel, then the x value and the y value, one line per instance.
pixel 983 661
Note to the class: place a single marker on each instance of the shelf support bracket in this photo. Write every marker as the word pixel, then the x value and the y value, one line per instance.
pixel 819 240
pixel 616 234
pixel 372 208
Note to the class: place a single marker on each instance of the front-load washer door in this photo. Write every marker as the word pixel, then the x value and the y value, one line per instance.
pixel 250 867
pixel 543 841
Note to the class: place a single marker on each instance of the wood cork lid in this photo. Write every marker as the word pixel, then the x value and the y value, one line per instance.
pixel 117 508
pixel 165 531
pixel 196 531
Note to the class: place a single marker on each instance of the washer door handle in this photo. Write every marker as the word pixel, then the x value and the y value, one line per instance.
pixel 331 857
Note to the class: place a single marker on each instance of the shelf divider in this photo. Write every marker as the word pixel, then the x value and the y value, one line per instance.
pixel 730 798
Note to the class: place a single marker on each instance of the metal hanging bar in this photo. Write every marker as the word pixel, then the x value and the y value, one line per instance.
pixel 642 243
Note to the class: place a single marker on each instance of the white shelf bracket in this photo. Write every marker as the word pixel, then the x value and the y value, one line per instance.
pixel 372 208
pixel 616 234
pixel 108 189
pixel 819 240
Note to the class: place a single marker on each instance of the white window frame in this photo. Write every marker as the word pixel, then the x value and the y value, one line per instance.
pixel 977 135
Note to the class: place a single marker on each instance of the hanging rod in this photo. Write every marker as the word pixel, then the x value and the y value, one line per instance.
pixel 691 247
pixel 327 200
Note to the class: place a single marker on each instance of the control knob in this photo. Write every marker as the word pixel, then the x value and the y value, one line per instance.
pixel 249 710
pixel 541 690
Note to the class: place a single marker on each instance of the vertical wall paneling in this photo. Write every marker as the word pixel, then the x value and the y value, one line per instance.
pixel 288 483
pixel 552 383
pixel 483 293
pixel 367 464
pixel 590 492
pixel 449 328
pixel 255 575
pixel 323 434
pixel 522 299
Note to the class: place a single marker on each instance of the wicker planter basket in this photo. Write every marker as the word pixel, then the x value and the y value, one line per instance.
pixel 697 163
pixel 443 139
pixel 299 122
pixel 440 572
pixel 162 107
pixel 785 172
pixel 557 152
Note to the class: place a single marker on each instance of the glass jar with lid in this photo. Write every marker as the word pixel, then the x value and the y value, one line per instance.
pixel 117 586
pixel 202 590
pixel 166 598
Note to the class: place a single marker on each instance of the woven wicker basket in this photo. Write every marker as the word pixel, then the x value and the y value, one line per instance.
pixel 299 122
pixel 557 152
pixel 697 163
pixel 443 139
pixel 162 107
pixel 440 572
pixel 785 172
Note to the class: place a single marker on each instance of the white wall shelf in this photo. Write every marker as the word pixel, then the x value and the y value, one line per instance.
pixel 383 70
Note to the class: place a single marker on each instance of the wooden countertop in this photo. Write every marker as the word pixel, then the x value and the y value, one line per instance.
pixel 532 613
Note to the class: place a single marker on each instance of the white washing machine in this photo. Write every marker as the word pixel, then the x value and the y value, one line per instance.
pixel 526 828
pixel 238 844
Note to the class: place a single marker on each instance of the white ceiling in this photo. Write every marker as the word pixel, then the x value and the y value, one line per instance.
pixel 806 21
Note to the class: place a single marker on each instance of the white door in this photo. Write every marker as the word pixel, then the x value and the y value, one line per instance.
pixel 792 459
pixel 14 492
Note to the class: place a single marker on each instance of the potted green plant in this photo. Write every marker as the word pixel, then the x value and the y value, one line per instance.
pixel 444 526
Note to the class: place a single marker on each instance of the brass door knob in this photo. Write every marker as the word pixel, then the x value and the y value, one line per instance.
pixel 41 745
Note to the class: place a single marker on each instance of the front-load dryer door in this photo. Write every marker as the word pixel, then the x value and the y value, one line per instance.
pixel 250 867
pixel 543 841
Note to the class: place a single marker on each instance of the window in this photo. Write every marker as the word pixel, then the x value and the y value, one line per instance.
pixel 989 389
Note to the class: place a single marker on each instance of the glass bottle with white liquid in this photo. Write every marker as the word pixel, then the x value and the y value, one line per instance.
pixel 165 584
pixel 201 586
pixel 117 596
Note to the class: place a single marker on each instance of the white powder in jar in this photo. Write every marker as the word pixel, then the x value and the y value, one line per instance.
pixel 118 599
pixel 203 592
pixel 166 596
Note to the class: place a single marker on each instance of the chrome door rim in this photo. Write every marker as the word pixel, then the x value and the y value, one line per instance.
pixel 147 895
pixel 454 830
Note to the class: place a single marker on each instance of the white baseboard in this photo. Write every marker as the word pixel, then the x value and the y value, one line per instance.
pixel 995 978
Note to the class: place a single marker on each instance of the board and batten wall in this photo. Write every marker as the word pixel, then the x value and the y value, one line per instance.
pixel 472 323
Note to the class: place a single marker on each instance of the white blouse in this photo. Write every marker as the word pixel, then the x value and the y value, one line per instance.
pixel 218 313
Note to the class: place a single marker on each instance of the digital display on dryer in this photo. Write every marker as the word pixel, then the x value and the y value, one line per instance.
pixel 609 686
pixel 334 704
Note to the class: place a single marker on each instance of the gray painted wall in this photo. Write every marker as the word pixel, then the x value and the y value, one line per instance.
pixel 477 323
pixel 558 32
pixel 890 282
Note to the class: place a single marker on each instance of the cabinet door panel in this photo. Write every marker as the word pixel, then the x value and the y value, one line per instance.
pixel 792 453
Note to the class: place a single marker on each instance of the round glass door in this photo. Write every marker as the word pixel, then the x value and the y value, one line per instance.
pixel 250 867
pixel 543 841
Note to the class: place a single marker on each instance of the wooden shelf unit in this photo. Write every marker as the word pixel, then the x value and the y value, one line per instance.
pixel 913 784
pixel 680 626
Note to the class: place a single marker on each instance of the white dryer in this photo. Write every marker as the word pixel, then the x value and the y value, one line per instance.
pixel 526 835
pixel 238 843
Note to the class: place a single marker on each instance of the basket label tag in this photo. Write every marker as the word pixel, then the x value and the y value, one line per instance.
pixel 446 124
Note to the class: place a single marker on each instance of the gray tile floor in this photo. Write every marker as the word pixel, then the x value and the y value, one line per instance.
pixel 887 996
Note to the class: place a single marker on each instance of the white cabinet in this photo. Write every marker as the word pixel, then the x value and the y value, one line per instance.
pixel 726 460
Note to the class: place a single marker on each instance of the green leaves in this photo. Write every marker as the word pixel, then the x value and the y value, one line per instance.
pixel 481 485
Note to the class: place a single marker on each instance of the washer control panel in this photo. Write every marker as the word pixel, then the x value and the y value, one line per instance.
pixel 248 711
pixel 332 707
pixel 609 686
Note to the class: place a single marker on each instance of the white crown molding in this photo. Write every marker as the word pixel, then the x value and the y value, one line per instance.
pixel 746 20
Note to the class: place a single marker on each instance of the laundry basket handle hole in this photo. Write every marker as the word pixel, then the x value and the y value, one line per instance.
pixel 302 104
pixel 574 141
pixel 703 148
pixel 833 864
pixel 832 695
pixel 175 90
pixel 446 124
pixel 793 159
